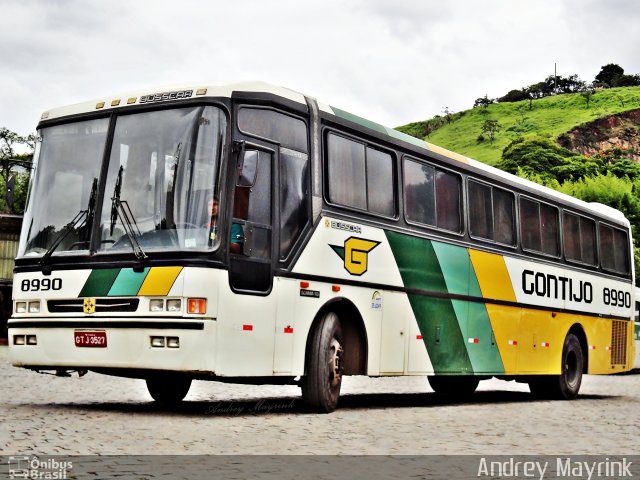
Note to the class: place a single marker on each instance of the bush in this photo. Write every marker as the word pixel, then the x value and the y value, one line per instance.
pixel 514 96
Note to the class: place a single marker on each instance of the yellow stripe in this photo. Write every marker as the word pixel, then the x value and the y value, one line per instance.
pixel 492 275
pixel 159 281
pixel 447 153
pixel 505 322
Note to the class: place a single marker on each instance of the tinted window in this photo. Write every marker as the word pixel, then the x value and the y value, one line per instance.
pixel 614 249
pixel 380 183
pixel 539 227
pixel 503 216
pixel 419 192
pixel 491 213
pixel 347 180
pixel 294 195
pixel 288 131
pixel 360 176
pixel 550 230
pixel 530 225
pixel 579 239
pixel 432 196
pixel 480 210
pixel 448 201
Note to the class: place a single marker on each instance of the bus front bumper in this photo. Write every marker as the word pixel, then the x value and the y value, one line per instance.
pixel 181 345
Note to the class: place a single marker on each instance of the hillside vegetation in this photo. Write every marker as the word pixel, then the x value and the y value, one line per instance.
pixel 585 146
pixel 550 117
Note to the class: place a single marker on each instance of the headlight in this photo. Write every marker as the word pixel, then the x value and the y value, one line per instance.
pixel 156 305
pixel 21 307
pixel 34 307
pixel 174 305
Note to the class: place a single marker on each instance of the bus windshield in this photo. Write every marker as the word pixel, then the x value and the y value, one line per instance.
pixel 160 183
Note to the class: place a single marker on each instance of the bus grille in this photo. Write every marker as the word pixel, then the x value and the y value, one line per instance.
pixel 619 342
pixel 103 305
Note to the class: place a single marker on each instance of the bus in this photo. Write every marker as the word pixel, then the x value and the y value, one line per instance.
pixel 248 233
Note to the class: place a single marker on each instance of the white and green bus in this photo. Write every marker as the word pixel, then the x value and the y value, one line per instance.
pixel 247 233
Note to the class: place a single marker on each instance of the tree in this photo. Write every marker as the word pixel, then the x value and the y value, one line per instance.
pixel 483 102
pixel 543 157
pixel 490 127
pixel 447 114
pixel 533 91
pixel 514 96
pixel 609 74
pixel 587 93
pixel 628 81
pixel 9 161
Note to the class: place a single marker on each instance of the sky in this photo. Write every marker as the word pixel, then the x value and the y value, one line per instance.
pixel 391 61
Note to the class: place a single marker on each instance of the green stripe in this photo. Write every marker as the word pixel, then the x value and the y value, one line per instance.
pixel 128 282
pixel 447 325
pixel 99 282
pixel 473 318
pixel 437 320
pixel 359 120
pixel 406 138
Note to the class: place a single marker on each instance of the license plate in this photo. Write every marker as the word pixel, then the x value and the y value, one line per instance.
pixel 91 339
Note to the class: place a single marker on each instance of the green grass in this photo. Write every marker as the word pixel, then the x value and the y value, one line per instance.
pixel 550 116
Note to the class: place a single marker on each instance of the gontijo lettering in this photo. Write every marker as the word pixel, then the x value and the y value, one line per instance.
pixel 552 286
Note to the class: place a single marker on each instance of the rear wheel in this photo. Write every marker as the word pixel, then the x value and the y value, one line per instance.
pixel 168 389
pixel 325 365
pixel 566 385
pixel 454 386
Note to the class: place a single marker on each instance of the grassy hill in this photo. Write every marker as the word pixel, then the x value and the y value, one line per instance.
pixel 550 116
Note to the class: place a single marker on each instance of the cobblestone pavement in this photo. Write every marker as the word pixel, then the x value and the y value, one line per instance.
pixel 97 414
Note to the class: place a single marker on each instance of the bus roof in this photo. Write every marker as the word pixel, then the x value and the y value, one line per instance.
pixel 184 91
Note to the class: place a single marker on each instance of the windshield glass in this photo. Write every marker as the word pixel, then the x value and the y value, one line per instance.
pixel 66 165
pixel 164 166
pixel 159 189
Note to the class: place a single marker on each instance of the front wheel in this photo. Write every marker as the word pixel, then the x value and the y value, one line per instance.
pixel 168 389
pixel 325 365
pixel 566 385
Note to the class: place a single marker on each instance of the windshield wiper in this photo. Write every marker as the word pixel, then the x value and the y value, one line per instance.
pixel 120 210
pixel 85 216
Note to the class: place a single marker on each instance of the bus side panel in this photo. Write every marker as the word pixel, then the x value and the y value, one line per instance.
pixel 396 319
pixel 246 325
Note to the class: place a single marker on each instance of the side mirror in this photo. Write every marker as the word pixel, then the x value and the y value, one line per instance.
pixel 247 168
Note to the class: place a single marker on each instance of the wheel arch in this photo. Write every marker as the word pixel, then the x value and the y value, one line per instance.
pixel 578 330
pixel 353 331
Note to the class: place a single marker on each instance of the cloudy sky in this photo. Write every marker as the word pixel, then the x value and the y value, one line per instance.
pixel 393 61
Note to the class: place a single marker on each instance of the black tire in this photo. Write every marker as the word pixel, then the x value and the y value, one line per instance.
pixel 168 389
pixel 566 385
pixel 454 386
pixel 325 365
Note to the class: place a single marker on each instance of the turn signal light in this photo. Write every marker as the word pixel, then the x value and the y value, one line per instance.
pixel 197 305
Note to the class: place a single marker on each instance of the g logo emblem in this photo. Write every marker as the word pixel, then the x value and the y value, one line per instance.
pixel 355 254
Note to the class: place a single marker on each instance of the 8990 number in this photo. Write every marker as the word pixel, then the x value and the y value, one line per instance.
pixel 37 285
pixel 616 298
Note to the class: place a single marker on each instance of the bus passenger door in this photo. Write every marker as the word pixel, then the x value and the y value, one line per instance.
pixel 251 231
pixel 248 303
